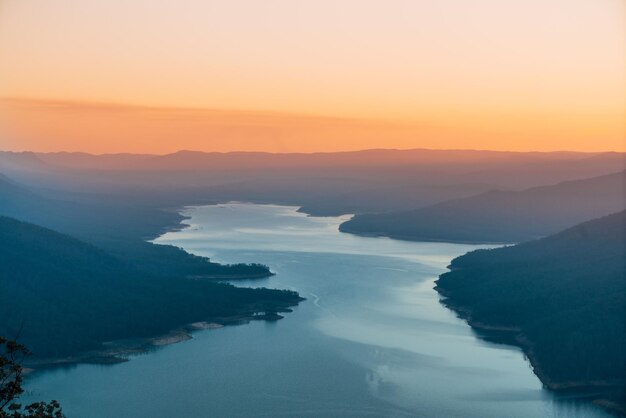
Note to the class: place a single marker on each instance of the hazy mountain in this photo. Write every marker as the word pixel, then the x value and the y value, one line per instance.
pixel 501 216
pixel 546 172
pixel 81 160
pixel 21 161
pixel 12 193
pixel 197 160
pixel 562 298
pixel 89 220
pixel 119 226
pixel 61 296
pixel 324 183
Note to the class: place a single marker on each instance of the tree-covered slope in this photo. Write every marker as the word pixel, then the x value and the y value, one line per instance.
pixel 501 216
pixel 120 228
pixel 565 297
pixel 61 296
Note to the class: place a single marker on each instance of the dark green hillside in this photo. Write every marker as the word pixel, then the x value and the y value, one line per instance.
pixel 501 216
pixel 61 296
pixel 120 228
pixel 564 294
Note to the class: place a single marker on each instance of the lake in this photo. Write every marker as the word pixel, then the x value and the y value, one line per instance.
pixel 371 339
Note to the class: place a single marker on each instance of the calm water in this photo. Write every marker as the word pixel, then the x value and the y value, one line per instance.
pixel 370 340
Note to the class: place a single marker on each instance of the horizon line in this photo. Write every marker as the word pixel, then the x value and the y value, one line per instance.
pixel 190 151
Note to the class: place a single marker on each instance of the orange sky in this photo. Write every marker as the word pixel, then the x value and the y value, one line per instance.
pixel 318 75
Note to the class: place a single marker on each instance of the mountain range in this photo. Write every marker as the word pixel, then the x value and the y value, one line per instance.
pixel 501 216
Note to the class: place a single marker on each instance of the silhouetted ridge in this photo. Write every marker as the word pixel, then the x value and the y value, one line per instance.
pixel 501 216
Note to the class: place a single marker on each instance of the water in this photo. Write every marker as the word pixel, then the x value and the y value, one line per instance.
pixel 370 340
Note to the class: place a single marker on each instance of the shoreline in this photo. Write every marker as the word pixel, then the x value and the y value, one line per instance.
pixel 176 225
pixel 513 336
pixel 121 351
pixel 225 277
pixel 180 225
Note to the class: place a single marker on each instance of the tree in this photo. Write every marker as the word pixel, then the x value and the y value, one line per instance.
pixel 11 378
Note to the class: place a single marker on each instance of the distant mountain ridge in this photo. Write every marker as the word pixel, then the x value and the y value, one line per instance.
pixel 501 216
pixel 186 159
pixel 377 180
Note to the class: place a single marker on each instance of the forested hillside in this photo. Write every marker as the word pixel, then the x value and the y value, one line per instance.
pixel 60 296
pixel 565 297
pixel 119 227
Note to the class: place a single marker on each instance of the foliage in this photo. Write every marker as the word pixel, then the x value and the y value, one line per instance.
pixel 565 293
pixel 68 296
pixel 11 379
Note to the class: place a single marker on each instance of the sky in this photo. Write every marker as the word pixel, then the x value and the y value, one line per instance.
pixel 312 75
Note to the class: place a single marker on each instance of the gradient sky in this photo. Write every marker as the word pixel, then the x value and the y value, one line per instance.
pixel 319 75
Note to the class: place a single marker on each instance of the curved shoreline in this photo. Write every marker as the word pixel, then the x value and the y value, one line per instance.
pixel 514 337
pixel 121 351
